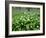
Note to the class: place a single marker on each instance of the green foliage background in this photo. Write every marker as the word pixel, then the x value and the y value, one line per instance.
pixel 25 19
